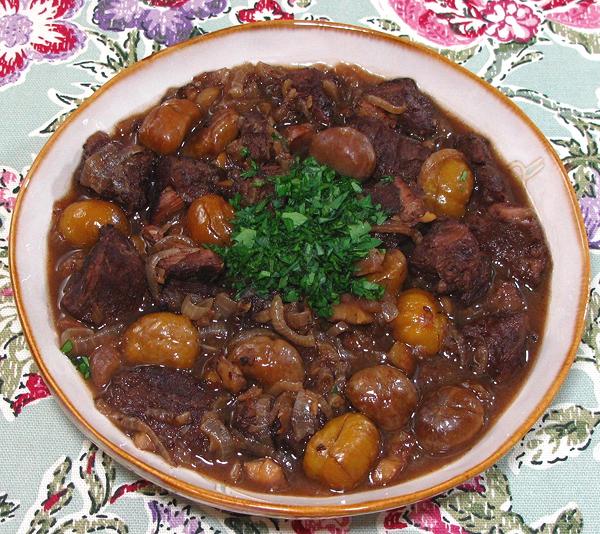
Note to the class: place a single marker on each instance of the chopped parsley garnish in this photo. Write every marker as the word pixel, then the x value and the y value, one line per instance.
pixel 463 176
pixel 244 152
pixel 82 364
pixel 251 171
pixel 67 347
pixel 305 240
pixel 387 179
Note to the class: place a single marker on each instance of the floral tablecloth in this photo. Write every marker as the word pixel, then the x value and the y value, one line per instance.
pixel 544 54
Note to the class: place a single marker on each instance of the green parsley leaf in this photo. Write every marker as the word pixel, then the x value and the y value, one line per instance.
pixel 386 179
pixel 251 171
pixel 463 176
pixel 304 241
pixel 82 364
pixel 245 236
pixel 244 152
pixel 296 218
pixel 67 347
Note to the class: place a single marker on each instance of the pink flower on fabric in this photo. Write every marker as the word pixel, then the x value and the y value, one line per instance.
pixel 509 20
pixel 427 516
pixel 9 188
pixel 463 22
pixel 34 31
pixel 36 389
pixel 339 525
pixel 580 14
pixel 505 20
pixel 263 10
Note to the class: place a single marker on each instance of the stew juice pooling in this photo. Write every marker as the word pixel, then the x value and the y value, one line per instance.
pixel 298 280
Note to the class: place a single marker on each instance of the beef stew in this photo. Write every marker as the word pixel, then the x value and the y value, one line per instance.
pixel 300 280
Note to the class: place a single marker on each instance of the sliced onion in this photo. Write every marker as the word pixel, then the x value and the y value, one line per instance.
pixel 282 386
pixel 371 264
pixel 217 330
pixel 225 306
pixel 247 334
pixel 387 312
pixel 263 316
pixel 251 445
pixel 85 340
pixel 196 311
pixel 133 424
pixel 171 241
pixel 337 329
pixel 152 263
pixel 221 442
pixel 385 105
pixel 394 226
pixel 298 319
pixel 303 416
pixel 281 327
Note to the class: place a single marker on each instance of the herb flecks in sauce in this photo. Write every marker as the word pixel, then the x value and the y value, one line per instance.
pixel 305 240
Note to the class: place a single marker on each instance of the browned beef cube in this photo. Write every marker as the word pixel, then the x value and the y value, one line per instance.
pixel 512 236
pixel 450 255
pixel 202 265
pixel 170 401
pixel 256 136
pixel 308 83
pixel 398 198
pixel 498 344
pixel 111 284
pixel 189 177
pixel 419 117
pixel 117 172
pixel 397 155
pixel 489 180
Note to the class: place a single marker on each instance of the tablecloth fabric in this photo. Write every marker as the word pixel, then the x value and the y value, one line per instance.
pixel 544 54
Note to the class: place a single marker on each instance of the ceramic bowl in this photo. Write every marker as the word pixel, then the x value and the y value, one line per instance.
pixel 515 137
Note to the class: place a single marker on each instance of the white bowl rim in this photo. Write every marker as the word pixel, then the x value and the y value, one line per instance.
pixel 284 510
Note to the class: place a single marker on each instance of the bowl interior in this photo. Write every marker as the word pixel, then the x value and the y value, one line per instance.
pixel 478 106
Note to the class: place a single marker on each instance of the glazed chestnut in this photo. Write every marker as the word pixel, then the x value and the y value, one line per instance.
pixel 392 273
pixel 208 220
pixel 213 139
pixel 345 150
pixel 267 359
pixel 420 322
pixel 448 420
pixel 342 452
pixel 384 394
pixel 81 221
pixel 447 182
pixel 161 338
pixel 166 126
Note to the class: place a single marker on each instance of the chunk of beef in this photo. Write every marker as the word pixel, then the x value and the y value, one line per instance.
pixel 118 172
pixel 255 136
pixel 94 143
pixel 397 155
pixel 202 265
pixel 450 255
pixel 512 236
pixel 170 401
pixel 398 198
pixel 312 100
pixel 489 180
pixel 111 284
pixel 505 298
pixel 253 418
pixel 419 116
pixel 189 177
pixel 175 290
pixel 498 344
